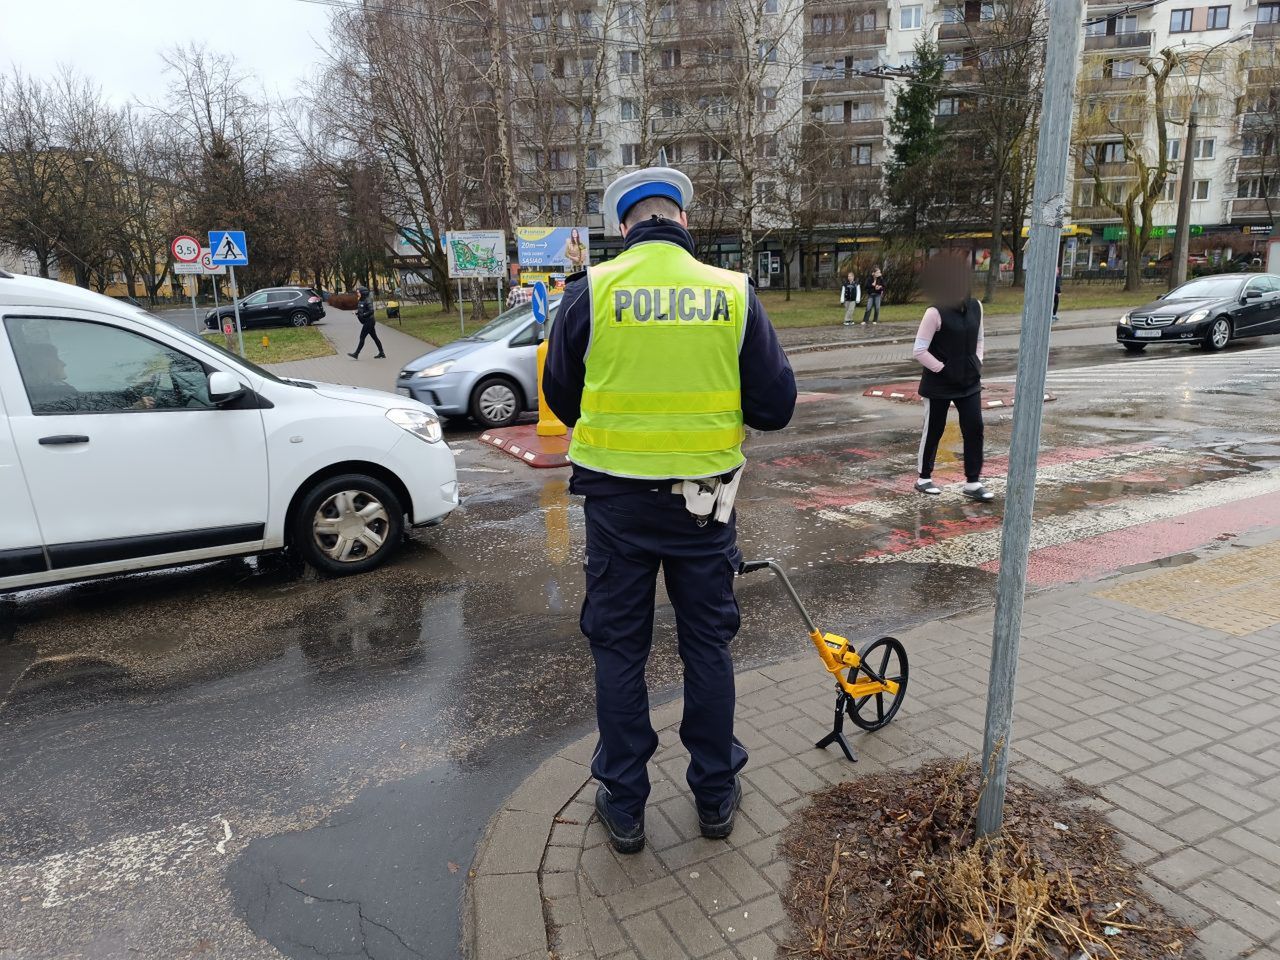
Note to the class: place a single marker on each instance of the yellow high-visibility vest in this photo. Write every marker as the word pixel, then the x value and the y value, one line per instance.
pixel 662 396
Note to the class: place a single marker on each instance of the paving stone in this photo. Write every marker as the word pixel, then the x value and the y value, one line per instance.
pixel 602 930
pixel 516 843
pixel 741 922
pixel 708 889
pixel 1194 825
pixel 652 939
pixel 1180 869
pixel 508 915
pixel 692 927
pixel 1222 941
pixel 759 947
pixel 647 897
pixel 1228 906
pixel 741 875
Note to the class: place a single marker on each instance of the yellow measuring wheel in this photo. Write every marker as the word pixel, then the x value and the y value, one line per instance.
pixel 869 685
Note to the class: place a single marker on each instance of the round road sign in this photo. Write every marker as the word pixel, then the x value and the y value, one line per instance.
pixel 228 329
pixel 185 249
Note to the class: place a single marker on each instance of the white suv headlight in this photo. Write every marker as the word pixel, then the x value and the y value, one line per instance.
pixel 1124 321
pixel 438 370
pixel 418 422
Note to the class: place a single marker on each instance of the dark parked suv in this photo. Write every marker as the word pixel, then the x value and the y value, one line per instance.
pixel 272 307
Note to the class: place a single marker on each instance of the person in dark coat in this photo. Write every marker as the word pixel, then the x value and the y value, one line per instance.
pixel 364 313
pixel 949 345
pixel 875 294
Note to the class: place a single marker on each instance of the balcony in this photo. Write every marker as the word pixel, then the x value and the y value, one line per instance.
pixel 1107 171
pixel 1138 40
pixel 1254 208
pixel 1266 31
pixel 854 130
pixel 843 83
pixel 538 180
pixel 970 29
pixel 1126 85
pixel 1093 214
pixel 845 40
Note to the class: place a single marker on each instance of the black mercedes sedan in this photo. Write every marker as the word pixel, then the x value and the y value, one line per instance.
pixel 1208 311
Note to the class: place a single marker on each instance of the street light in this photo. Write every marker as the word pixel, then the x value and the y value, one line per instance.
pixel 1178 269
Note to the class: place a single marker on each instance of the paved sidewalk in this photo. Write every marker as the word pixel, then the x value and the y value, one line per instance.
pixel 1160 688
pixel 341 330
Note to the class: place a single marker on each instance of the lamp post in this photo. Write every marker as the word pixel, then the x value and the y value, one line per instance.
pixel 1178 269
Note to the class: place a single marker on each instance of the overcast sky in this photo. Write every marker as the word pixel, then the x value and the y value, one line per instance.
pixel 117 43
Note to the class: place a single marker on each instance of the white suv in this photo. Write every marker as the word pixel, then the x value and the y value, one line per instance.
pixel 126 443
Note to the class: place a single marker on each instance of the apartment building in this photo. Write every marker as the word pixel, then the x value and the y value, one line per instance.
pixel 724 87
pixel 1225 63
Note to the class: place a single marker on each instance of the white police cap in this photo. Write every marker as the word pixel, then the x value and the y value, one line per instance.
pixel 630 188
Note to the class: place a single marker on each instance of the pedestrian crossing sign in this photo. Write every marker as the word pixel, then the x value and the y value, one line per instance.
pixel 228 248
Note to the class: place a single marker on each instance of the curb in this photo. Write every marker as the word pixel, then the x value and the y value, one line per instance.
pixel 995 331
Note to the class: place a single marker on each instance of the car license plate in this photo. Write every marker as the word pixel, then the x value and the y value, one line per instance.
pixel 1147 334
pixel 405 391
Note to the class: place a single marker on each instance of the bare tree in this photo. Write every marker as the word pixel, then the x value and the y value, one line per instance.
pixel 31 170
pixel 1127 169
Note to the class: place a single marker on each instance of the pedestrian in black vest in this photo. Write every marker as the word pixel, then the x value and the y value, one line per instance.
pixel 850 294
pixel 875 293
pixel 949 345
pixel 364 313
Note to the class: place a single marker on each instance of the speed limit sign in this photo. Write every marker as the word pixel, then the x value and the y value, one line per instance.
pixel 185 249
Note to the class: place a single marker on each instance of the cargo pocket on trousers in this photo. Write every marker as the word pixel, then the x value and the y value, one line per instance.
pixel 595 568
pixel 733 563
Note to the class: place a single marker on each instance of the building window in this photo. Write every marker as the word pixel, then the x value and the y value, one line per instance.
pixel 764 191
pixel 630 154
pixel 767 146
pixel 1112 152
pixel 911 17
pixel 711 9
pixel 1180 21
pixel 854 110
pixel 1095 28
pixel 629 109
pixel 1173 150
pixel 709 152
pixel 674 152
pixel 540 21
pixel 768 50
pixel 1219 18
pixel 586 19
pixel 1204 149
pixel 1200 190
pixel 1170 192
pixel 768 100
pixel 561 204
pixel 629 15
pixel 1084 194
pixel 667 11
pixel 769 6
pixel 860 154
pixel 629 62
pixel 669 109
pixel 826 23
pixel 948 106
pixel 1269 13
pixel 1249 189
pixel 952 62
pixel 593 158
pixel 670 58
pixel 1125 24
pixel 593 202
pixel 538 70
pixel 1120 69
pixel 865 22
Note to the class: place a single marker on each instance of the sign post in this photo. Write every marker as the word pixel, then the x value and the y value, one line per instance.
pixel 211 270
pixel 1048 205
pixel 229 249
pixel 186 256
pixel 549 424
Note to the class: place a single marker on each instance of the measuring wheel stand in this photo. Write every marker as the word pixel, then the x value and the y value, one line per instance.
pixel 869 685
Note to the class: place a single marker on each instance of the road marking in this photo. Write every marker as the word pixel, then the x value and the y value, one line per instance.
pixel 976 549
pixel 139 858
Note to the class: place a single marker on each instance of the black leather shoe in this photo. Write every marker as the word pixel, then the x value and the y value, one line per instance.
pixel 713 826
pixel 624 841
pixel 379 356
pixel 354 356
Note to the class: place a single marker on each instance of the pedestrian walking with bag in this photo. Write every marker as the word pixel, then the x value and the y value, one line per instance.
pixel 368 323
pixel 850 294
pixel 875 293
pixel 658 361
pixel 949 345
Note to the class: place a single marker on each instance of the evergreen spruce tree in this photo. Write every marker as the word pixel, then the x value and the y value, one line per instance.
pixel 917 145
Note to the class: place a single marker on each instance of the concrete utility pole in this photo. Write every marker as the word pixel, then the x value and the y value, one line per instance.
pixel 1048 206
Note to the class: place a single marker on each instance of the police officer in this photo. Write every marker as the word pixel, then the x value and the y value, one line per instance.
pixel 658 361
pixel 368 323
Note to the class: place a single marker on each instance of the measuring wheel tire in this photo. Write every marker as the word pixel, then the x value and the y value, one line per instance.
pixel 884 658
pixel 348 524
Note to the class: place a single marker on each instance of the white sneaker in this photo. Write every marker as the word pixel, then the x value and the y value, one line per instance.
pixel 929 487
pixel 976 491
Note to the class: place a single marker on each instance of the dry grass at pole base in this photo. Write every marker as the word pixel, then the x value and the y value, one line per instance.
pixel 886 867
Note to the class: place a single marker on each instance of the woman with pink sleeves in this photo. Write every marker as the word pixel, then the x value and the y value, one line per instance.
pixel 949 345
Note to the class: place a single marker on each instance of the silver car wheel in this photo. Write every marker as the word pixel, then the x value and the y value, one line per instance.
pixel 497 403
pixel 351 525
pixel 1220 333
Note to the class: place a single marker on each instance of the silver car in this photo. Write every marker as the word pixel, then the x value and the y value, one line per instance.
pixel 491 375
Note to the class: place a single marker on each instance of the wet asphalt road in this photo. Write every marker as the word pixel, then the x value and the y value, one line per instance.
pixel 235 760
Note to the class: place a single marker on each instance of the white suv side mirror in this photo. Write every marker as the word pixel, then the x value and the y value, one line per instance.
pixel 224 387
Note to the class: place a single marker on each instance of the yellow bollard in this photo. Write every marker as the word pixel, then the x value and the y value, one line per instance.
pixel 549 424
pixel 266 341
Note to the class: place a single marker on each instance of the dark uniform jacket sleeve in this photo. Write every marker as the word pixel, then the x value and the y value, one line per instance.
pixel 566 368
pixel 768 384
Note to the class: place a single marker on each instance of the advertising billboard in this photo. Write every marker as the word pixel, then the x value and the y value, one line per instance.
pixel 568 247
pixel 476 253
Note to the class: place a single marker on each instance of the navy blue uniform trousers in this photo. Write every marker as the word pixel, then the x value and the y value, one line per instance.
pixel 629 536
